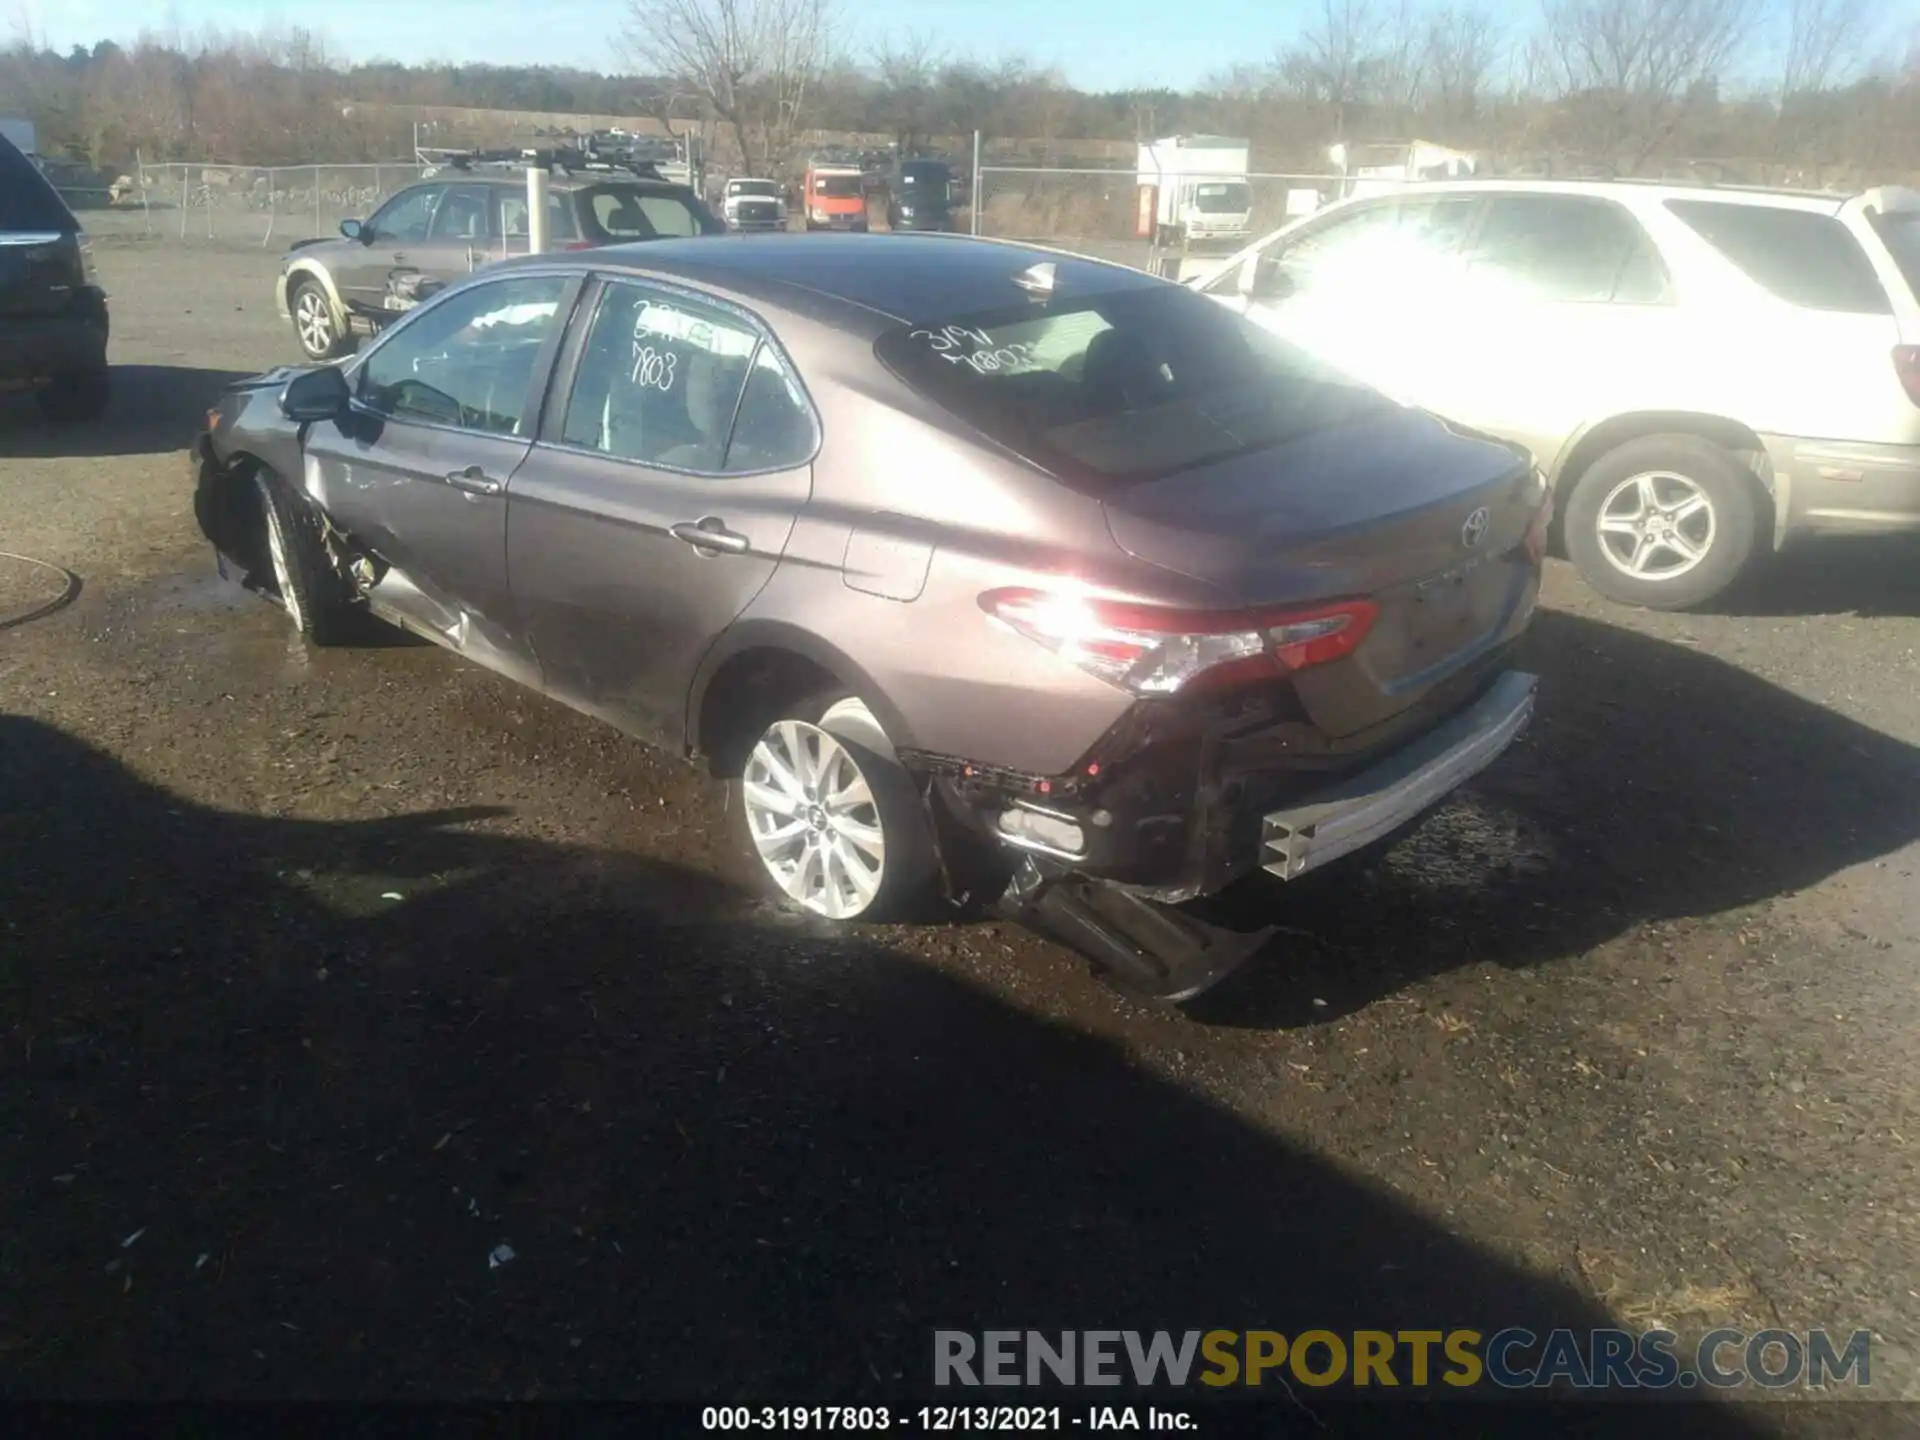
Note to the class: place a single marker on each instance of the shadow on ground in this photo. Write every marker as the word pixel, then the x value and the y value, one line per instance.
pixel 1867 576
pixel 266 1124
pixel 155 409
pixel 1656 784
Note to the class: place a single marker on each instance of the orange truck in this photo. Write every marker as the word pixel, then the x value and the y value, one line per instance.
pixel 836 197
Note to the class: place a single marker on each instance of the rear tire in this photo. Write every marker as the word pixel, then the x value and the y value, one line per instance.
pixel 321 334
pixel 828 819
pixel 318 601
pixel 76 396
pixel 1666 522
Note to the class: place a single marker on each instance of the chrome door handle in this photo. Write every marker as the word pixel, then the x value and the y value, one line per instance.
pixel 711 536
pixel 474 481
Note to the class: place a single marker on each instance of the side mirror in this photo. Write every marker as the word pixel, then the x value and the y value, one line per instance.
pixel 354 230
pixel 320 394
pixel 1270 280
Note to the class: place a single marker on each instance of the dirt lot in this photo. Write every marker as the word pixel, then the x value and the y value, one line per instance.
pixel 326 974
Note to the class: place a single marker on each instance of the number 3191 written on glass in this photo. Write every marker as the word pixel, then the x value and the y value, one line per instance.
pixel 958 345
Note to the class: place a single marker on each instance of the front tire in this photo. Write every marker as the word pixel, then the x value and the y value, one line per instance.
pixel 829 819
pixel 1665 522
pixel 318 601
pixel 320 333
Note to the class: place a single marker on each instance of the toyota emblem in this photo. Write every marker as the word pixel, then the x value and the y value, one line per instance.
pixel 1474 529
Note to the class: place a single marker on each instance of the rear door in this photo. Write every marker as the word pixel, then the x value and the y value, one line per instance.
pixel 446 405
pixel 658 501
pixel 40 264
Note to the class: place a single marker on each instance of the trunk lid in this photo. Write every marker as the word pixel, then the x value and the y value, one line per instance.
pixel 1427 521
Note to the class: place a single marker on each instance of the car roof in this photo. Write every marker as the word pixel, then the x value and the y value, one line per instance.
pixel 904 278
pixel 574 181
pixel 1639 190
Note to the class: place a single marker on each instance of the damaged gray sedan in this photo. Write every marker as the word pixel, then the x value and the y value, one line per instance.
pixel 981 569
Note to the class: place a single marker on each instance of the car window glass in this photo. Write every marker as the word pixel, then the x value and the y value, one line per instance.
pixel 1800 256
pixel 406 216
pixel 461 215
pixel 658 379
pixel 773 429
pixel 468 361
pixel 513 216
pixel 1562 248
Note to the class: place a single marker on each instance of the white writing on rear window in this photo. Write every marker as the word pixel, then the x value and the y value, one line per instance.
pixel 976 349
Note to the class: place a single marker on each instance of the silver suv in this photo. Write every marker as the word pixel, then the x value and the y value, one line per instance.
pixel 1705 373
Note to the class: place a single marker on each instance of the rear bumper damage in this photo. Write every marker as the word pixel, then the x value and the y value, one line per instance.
pixel 1107 855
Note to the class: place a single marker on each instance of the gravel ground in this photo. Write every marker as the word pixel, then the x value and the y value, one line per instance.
pixel 323 975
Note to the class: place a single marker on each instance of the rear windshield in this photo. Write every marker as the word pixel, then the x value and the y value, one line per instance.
pixel 840 187
pixel 634 212
pixel 1900 233
pixel 28 201
pixel 1125 387
pixel 1801 256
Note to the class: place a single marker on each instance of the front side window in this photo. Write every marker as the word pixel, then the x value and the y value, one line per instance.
pixel 405 218
pixel 461 214
pixel 1564 248
pixel 1124 387
pixel 1381 244
pixel 1799 256
pixel 469 361
pixel 659 379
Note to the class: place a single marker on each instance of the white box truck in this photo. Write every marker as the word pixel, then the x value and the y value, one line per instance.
pixel 1201 189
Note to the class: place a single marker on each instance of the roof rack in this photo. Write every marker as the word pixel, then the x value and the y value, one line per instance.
pixel 563 159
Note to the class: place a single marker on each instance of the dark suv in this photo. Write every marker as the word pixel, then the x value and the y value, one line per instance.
pixel 53 316
pixel 335 290
pixel 919 195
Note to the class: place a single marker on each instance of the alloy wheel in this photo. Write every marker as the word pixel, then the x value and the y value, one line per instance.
pixel 1657 525
pixel 814 823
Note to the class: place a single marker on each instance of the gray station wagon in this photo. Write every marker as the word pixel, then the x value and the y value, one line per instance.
pixel 958 556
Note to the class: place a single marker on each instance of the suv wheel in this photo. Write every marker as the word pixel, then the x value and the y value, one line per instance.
pixel 829 816
pixel 1666 522
pixel 314 324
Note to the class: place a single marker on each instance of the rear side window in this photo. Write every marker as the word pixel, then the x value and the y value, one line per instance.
pixel 626 212
pixel 1123 387
pixel 1799 256
pixel 1566 249
pixel 28 202
pixel 1900 233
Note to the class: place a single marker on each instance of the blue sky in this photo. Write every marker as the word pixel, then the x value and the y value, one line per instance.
pixel 1099 44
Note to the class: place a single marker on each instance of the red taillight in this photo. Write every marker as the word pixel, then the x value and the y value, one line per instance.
pixel 1150 650
pixel 1906 364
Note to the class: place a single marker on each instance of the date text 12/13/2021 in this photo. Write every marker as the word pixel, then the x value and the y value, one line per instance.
pixel 943 1419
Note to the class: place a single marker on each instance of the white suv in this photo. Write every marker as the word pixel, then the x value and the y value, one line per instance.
pixel 1703 372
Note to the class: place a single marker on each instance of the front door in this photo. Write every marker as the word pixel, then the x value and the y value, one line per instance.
pixel 445 409
pixel 657 503
pixel 388 241
pixel 457 240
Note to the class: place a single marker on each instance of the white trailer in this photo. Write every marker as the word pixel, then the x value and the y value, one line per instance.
pixel 1200 187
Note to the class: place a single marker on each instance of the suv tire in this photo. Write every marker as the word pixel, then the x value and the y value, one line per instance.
pixel 1666 522
pixel 799 840
pixel 319 332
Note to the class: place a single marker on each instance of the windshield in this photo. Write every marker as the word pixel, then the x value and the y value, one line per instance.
pixel 1124 387
pixel 1225 198
pixel 838 187
pixel 925 181
pixel 754 189
pixel 1900 233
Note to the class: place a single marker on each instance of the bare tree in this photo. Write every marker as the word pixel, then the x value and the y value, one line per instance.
pixel 1357 55
pixel 1824 40
pixel 752 61
pixel 1462 48
pixel 907 71
pixel 1628 69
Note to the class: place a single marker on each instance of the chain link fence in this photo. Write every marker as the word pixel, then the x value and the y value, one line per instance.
pixel 236 204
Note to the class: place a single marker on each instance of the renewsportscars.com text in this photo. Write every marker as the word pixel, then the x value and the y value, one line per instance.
pixel 1509 1359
